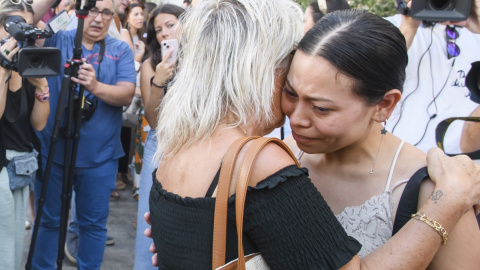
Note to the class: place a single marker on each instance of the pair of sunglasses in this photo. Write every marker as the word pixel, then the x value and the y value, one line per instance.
pixel 16 2
pixel 452 48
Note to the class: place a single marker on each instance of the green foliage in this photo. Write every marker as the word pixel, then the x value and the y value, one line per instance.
pixel 383 8
pixel 303 3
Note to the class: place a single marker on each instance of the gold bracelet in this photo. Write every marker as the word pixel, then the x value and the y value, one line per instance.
pixel 432 223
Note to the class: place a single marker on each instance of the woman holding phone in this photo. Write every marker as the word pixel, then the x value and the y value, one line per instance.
pixel 155 72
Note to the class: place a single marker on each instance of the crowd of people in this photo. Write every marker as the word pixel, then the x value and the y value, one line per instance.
pixel 359 95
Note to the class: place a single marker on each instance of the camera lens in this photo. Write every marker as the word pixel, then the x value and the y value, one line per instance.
pixel 36 61
pixel 440 4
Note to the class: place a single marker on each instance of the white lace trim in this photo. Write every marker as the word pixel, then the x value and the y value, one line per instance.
pixel 370 223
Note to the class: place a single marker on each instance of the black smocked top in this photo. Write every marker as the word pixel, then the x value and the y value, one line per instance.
pixel 286 219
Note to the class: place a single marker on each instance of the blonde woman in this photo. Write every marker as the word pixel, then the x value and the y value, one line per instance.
pixel 233 62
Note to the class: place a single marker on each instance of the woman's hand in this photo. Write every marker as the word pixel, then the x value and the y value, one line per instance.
pixel 458 175
pixel 9 49
pixel 164 70
pixel 139 50
pixel 148 233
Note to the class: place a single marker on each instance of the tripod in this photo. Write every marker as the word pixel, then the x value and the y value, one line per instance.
pixel 72 137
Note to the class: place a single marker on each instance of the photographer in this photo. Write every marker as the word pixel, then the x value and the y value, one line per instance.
pixel 440 56
pixel 108 76
pixel 24 106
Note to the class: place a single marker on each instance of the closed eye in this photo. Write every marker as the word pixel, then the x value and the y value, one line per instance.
pixel 321 109
pixel 288 92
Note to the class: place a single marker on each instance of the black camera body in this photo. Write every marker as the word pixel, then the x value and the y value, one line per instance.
pixel 436 10
pixel 31 61
pixel 88 108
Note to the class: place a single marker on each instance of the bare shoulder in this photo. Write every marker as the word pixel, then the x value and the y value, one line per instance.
pixel 125 36
pixel 270 160
pixel 410 160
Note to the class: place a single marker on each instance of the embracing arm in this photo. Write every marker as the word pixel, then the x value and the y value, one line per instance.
pixel 462 249
pixel 415 245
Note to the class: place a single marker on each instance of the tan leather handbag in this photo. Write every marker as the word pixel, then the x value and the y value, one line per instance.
pixel 252 261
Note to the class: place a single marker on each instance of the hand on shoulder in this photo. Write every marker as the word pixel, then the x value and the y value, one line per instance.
pixel 459 175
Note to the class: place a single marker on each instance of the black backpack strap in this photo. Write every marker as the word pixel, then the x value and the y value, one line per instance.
pixel 409 201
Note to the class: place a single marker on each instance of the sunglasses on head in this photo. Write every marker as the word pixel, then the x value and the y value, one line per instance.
pixel 16 2
pixel 452 48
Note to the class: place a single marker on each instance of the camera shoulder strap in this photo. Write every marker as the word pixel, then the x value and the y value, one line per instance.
pixel 100 56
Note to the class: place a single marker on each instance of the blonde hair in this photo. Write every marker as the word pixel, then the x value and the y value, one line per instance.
pixel 230 51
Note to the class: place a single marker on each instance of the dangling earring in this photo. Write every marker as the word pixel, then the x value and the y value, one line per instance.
pixel 383 132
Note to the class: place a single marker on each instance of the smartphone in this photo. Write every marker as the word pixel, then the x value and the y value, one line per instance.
pixel 170 45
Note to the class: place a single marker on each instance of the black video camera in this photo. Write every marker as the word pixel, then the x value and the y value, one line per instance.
pixel 31 61
pixel 436 10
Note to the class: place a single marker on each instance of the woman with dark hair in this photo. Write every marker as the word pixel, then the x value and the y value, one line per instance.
pixel 133 34
pixel 344 82
pixel 24 108
pixel 133 31
pixel 162 25
pixel 234 60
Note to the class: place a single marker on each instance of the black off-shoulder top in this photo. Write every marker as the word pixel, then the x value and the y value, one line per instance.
pixel 286 219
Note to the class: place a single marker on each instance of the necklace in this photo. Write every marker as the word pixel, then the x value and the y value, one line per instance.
pixel 383 132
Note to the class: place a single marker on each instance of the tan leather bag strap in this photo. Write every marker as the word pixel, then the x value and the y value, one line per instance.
pixel 243 183
pixel 117 23
pixel 221 202
pixel 223 191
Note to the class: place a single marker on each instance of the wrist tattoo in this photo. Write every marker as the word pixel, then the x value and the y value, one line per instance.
pixel 436 195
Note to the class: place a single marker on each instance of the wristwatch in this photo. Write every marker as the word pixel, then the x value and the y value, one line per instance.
pixel 44 96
